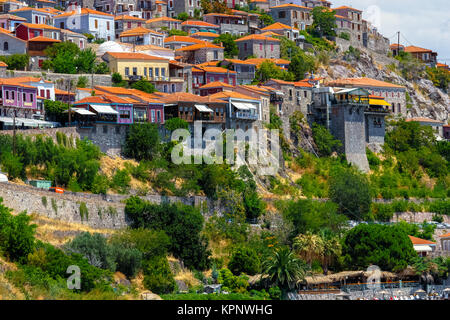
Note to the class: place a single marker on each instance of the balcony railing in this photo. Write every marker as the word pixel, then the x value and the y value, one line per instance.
pixel 246 116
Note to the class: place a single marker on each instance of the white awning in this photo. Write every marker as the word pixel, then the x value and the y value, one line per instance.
pixel 104 109
pixel 251 106
pixel 240 105
pixel 83 112
pixel 422 248
pixel 203 108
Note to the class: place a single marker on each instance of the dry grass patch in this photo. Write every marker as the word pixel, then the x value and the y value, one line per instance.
pixel 58 232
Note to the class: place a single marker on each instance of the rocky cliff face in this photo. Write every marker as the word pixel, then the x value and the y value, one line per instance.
pixel 426 100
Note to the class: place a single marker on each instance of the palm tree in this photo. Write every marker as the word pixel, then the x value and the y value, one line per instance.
pixel 284 269
pixel 331 250
pixel 309 246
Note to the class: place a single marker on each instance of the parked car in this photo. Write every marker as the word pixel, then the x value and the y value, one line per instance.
pixel 56 190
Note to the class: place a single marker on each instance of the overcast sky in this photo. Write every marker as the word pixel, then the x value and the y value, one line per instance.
pixel 425 24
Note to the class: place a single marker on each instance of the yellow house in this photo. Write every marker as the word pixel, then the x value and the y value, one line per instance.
pixel 137 65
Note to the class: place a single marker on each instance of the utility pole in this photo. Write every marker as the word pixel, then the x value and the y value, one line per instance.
pixel 14 131
pixel 68 102
pixel 398 44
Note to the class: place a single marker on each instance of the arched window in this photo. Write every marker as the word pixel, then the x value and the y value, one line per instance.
pixel 5 46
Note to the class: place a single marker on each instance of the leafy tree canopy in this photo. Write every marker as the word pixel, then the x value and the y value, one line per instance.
pixel 388 247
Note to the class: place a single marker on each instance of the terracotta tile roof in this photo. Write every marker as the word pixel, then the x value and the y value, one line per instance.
pixel 233 95
pixel 270 34
pixel 2 64
pixel 277 26
pixel 414 49
pixel 39 26
pixel 237 61
pixel 2 30
pixel 395 46
pixel 199 24
pixel 257 37
pixel 421 119
pixel 82 12
pixel 216 84
pixel 259 61
pixel 15 82
pixel 30 9
pixel 96 92
pixel 291 5
pixel 415 240
pixel 198 46
pixel 205 34
pixel 447 235
pixel 138 31
pixel 217 70
pixel 346 8
pixel 43 39
pixel 303 84
pixel 188 97
pixel 127 17
pixel 363 82
pixel 222 15
pixel 255 89
pixel 282 82
pixel 134 56
pixel 185 39
pixel 341 17
pixel 208 64
pixel 162 19
pixel 116 90
pixel 63 92
pixel 12 17
pixel 30 79
pixel 104 98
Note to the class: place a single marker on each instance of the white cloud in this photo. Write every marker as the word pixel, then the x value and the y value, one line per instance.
pixel 423 24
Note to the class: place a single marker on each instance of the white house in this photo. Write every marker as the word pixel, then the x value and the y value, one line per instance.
pixel 84 20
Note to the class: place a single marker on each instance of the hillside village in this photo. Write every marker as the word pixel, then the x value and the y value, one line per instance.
pixel 350 106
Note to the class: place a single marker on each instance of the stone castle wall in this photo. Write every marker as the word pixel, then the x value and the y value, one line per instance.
pixel 61 80
pixel 103 211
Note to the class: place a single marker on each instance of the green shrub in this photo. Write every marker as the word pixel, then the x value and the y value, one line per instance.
pixel 157 276
pixel 121 181
pixel 244 260
pixel 182 223
pixel 16 234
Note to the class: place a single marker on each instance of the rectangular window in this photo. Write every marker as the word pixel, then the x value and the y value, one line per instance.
pixel 42 92
pixel 216 55
pixel 158 116
pixel 24 95
pixel 163 72
pixel 124 114
pixel 96 23
pixel 150 72
pixel 48 94
pixel 127 71
pixel 107 25
pixel 156 72
pixel 134 71
pixel 153 115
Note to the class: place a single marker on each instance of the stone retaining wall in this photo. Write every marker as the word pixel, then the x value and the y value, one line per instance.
pixel 102 211
pixel 61 80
